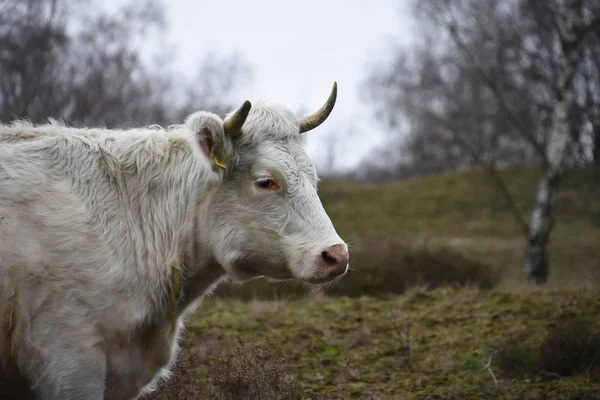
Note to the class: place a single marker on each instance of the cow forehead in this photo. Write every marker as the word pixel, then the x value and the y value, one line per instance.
pixel 271 134
pixel 269 122
pixel 286 155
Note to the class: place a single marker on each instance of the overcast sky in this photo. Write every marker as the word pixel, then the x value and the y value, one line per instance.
pixel 298 49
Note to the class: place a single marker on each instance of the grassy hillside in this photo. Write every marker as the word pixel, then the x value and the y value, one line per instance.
pixel 467 213
pixel 454 229
pixel 420 345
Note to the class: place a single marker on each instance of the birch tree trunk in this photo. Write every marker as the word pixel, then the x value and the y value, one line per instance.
pixel 570 27
pixel 596 151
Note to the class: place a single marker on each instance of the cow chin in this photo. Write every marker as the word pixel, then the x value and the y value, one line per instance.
pixel 317 277
pixel 245 270
pixel 309 271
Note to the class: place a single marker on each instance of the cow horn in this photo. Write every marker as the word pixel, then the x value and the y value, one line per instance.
pixel 316 119
pixel 233 124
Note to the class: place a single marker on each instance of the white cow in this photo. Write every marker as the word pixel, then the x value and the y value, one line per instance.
pixel 108 238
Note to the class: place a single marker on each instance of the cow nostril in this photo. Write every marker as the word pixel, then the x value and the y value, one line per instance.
pixel 329 259
pixel 334 259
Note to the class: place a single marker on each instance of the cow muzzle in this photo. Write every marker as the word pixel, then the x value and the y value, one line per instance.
pixel 333 261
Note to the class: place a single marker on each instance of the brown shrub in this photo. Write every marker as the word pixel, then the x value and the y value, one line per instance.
pixel 571 347
pixel 252 371
pixel 249 372
pixel 184 383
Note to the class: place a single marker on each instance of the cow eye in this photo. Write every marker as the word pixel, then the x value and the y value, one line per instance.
pixel 266 184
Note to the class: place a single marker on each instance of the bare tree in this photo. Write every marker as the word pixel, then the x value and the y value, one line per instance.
pixel 499 83
pixel 453 118
pixel 59 59
pixel 571 28
pixel 482 77
pixel 567 30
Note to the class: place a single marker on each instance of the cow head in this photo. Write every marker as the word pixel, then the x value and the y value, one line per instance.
pixel 265 218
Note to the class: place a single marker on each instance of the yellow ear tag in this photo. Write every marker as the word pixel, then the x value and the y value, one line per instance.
pixel 217 161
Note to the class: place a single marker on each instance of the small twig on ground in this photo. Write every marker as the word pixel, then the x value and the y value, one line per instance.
pixel 407 333
pixel 405 341
pixel 488 366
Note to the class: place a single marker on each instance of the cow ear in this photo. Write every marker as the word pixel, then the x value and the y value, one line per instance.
pixel 205 140
pixel 210 136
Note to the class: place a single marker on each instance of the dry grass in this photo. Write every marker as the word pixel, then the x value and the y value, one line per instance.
pixel 249 371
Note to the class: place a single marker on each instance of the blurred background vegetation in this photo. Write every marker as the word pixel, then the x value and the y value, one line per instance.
pixel 470 108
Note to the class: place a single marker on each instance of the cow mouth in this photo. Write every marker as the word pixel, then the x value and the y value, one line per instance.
pixel 251 268
pixel 322 280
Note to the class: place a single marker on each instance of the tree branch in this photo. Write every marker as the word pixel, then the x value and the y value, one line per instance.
pixel 452 29
pixel 491 168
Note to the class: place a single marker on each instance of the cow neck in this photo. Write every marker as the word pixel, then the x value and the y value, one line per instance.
pixel 201 272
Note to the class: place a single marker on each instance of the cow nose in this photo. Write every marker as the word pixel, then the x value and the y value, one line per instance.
pixel 334 260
